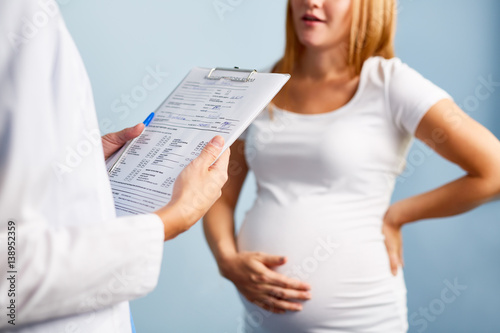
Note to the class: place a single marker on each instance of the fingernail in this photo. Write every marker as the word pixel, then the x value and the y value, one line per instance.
pixel 217 141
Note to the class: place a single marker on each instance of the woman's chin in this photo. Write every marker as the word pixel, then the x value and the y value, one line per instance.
pixel 320 44
pixel 312 42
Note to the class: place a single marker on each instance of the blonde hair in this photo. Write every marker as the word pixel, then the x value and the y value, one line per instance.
pixel 372 34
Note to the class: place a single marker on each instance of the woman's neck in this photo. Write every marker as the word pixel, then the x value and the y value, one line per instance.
pixel 324 65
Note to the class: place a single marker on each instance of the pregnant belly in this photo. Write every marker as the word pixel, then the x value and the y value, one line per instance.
pixel 351 285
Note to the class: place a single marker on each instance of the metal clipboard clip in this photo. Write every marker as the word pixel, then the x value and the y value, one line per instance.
pixel 250 72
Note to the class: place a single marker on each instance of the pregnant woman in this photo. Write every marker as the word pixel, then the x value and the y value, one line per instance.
pixel 320 250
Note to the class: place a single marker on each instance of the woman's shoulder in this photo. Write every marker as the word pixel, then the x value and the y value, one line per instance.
pixel 384 62
pixel 385 69
pixel 407 93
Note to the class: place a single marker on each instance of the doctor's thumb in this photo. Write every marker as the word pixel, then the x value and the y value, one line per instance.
pixel 212 150
pixel 132 132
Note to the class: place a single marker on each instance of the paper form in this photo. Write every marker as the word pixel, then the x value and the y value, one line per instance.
pixel 196 111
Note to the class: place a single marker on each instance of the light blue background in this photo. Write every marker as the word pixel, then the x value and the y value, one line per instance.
pixel 451 42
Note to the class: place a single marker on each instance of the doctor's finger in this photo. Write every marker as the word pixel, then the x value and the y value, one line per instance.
pixel 119 138
pixel 132 132
pixel 211 151
pixel 222 162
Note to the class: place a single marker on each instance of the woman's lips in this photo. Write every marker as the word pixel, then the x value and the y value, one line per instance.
pixel 311 20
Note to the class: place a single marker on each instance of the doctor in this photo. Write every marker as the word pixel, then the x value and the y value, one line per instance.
pixel 77 264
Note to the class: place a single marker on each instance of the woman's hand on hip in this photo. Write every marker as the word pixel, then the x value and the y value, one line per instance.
pixel 393 240
pixel 252 275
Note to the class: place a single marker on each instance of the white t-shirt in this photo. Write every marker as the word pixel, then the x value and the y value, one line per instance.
pixel 328 178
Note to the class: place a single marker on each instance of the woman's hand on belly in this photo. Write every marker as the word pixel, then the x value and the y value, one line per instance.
pixel 252 275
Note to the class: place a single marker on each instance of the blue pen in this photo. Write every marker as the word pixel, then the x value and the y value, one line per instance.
pixel 148 119
pixel 126 147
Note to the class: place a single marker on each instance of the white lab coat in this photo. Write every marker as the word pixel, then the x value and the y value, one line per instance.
pixel 78 265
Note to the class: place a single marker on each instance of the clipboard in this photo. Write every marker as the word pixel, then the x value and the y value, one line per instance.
pixel 113 160
pixel 207 102
pixel 212 76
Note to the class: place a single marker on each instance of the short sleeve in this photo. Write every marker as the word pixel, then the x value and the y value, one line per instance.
pixel 410 95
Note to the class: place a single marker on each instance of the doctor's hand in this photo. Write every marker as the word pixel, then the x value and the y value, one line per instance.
pixel 196 189
pixel 393 240
pixel 252 274
pixel 113 141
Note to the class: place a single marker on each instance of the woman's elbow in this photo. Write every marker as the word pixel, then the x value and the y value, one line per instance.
pixel 493 183
pixel 496 192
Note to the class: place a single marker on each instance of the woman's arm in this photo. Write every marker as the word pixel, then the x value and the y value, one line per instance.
pixel 218 222
pixel 250 271
pixel 457 137
pixel 461 140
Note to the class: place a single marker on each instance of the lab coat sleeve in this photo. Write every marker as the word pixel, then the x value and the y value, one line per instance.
pixel 66 263
pixel 75 270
